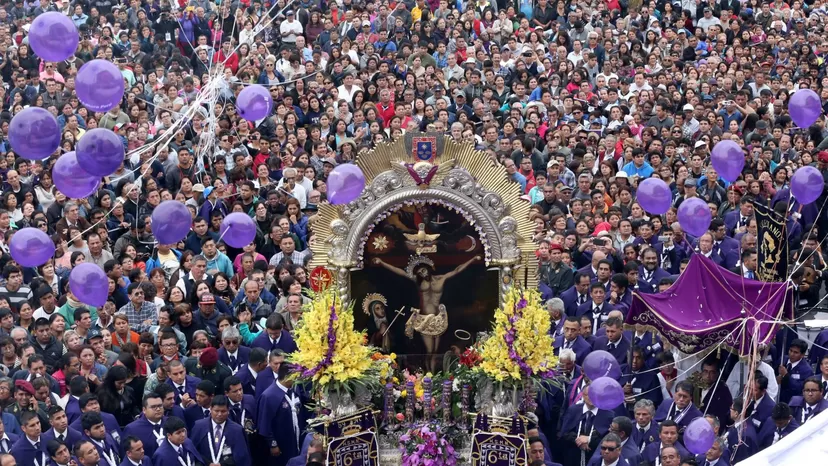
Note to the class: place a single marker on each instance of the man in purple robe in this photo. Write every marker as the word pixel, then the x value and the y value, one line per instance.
pixel 811 403
pixel 582 428
pixel 148 428
pixel 571 339
pixel 218 438
pixel 680 409
pixel 668 435
pixel 281 419
pixel 94 430
pixel 275 336
pixel 780 424
pixel 176 448
pixel 716 399
pixel 60 430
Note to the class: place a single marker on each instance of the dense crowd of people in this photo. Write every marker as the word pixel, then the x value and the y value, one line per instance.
pixel 579 101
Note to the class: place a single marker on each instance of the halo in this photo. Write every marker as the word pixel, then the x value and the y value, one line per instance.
pixel 370 298
pixel 415 261
pixel 461 334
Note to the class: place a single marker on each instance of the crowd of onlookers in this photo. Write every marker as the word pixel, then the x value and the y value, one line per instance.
pixel 579 101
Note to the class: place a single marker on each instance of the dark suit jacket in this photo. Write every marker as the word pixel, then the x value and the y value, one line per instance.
pixel 798 405
pixel 72 410
pixel 724 460
pixel 766 434
pixel 570 299
pixel 264 381
pixel 644 384
pixel 586 309
pixel 718 402
pixel 111 424
pixel 732 220
pixel 26 454
pixel 167 455
pixel 195 413
pixel 248 405
pixel 202 436
pixel 110 447
pixel 629 453
pixel 72 436
pixel 242 356
pixel 143 429
pixel 285 343
pixel 653 450
pixel 658 275
pixel 650 345
pixel 749 444
pixel 579 346
pixel 793 383
pixel 12 439
pixel 716 257
pixel 190 384
pixel 147 461
pixel 620 351
pixel 761 413
pixel 649 436
pixel 692 412
pixel 572 419
pixel 550 405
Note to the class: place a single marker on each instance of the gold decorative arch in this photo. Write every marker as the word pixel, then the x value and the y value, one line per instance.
pixel 430 168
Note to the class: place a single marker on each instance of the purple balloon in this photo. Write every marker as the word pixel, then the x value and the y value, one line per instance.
pixel 807 184
pixel 694 216
pixel 89 284
pixel 30 247
pixel 599 364
pixel 237 230
pixel 171 222
pixel 71 179
pixel 345 183
pixel 805 107
pixel 654 196
pixel 254 102
pixel 728 159
pixel 53 36
pixel 100 86
pixel 34 133
pixel 606 393
pixel 698 436
pixel 100 152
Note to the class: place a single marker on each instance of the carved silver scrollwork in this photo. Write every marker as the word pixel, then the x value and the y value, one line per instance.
pixel 383 184
pixel 459 179
pixel 338 240
pixel 343 282
pixel 509 238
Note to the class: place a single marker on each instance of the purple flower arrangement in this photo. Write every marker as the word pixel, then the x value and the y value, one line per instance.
pixel 426 445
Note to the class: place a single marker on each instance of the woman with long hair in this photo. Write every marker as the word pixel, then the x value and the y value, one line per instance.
pixel 116 397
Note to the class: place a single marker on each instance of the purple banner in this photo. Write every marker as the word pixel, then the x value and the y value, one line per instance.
pixel 355 450
pixel 494 449
pixel 709 305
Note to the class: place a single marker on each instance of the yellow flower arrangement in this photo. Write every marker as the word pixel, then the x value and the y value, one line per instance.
pixel 330 351
pixel 520 345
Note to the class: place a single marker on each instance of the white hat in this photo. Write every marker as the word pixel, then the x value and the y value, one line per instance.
pixel 622 174
pixel 699 144
pixel 688 107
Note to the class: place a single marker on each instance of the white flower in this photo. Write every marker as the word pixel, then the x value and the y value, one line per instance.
pixel 455 385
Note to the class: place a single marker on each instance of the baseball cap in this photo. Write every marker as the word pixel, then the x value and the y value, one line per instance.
pixel 366 23
pixel 92 334
pixel 208 190
pixel 329 160
pixel 198 187
pixel 622 174
pixel 699 144
pixel 207 298
pixel 552 163
pixel 689 182
pixel 458 93
pixel 761 124
pixel 688 107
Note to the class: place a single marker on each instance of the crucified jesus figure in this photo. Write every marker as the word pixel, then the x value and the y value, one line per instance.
pixel 430 320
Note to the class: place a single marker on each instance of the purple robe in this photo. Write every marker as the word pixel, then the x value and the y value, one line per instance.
pixel 143 429
pixel 579 346
pixel 748 446
pixel 285 342
pixel 769 431
pixel 667 410
pixel 800 412
pixel 167 455
pixel 620 349
pixel 72 437
pixel 26 454
pixel 241 358
pixel 202 435
pixel 653 451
